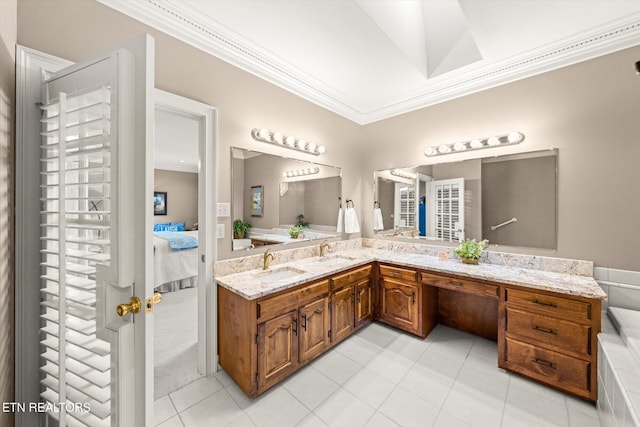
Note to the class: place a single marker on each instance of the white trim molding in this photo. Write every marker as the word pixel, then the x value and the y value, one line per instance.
pixel 179 21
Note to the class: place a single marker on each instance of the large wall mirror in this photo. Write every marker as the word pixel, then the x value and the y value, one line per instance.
pixel 509 200
pixel 273 194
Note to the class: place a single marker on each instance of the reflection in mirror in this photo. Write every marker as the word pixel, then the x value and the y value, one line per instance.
pixel 509 200
pixel 274 194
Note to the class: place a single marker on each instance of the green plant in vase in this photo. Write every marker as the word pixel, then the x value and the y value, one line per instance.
pixel 240 228
pixel 470 250
pixel 296 231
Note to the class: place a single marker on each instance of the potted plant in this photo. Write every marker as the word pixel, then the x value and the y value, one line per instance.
pixel 295 232
pixel 240 228
pixel 302 222
pixel 470 250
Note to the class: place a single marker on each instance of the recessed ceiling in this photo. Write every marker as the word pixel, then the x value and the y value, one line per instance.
pixel 372 59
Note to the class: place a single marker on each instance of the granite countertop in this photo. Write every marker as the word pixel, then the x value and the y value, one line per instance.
pixel 256 283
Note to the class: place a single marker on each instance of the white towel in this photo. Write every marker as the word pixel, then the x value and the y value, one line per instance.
pixel 340 225
pixel 351 221
pixel 377 220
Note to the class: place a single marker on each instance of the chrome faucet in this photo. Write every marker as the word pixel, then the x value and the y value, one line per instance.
pixel 323 247
pixel 267 258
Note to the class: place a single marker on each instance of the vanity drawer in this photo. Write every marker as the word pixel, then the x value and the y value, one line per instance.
pixel 549 366
pixel 350 277
pixel 557 333
pixel 460 285
pixel 562 308
pixel 398 273
pixel 291 300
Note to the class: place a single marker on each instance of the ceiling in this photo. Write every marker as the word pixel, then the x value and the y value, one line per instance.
pixel 176 139
pixel 372 59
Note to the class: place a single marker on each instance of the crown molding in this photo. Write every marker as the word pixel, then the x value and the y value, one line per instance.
pixel 180 22
pixel 175 167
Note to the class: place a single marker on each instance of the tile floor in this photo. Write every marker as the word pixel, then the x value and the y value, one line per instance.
pixel 382 377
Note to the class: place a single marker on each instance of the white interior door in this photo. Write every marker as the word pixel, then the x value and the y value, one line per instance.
pixel 446 208
pixel 96 234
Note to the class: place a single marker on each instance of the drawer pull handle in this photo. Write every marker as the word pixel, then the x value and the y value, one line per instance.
pixel 543 363
pixel 545 330
pixel 304 322
pixel 295 327
pixel 546 304
pixel 413 297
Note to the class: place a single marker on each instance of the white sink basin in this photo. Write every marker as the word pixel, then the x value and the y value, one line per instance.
pixel 280 274
pixel 335 260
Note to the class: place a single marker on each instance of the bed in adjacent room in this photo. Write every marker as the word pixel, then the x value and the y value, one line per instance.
pixel 175 258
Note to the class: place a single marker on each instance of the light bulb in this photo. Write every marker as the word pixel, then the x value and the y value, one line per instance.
pixel 290 141
pixel 459 146
pixel 316 170
pixel 284 174
pixel 475 143
pixel 277 137
pixel 493 141
pixel 515 137
pixel 430 151
pixel 321 149
pixel 444 149
pixel 301 144
pixel 311 147
pixel 264 133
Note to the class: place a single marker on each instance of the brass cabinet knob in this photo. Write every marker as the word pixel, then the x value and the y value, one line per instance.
pixel 133 306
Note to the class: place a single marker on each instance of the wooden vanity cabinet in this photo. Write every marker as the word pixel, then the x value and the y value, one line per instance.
pixel 351 301
pixel 551 338
pixel 404 302
pixel 277 349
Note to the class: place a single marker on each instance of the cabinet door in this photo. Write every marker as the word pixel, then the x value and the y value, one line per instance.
pixel 399 304
pixel 277 349
pixel 342 319
pixel 315 323
pixel 364 302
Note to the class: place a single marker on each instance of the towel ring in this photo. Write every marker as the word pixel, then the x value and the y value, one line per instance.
pixel 347 203
pixel 376 204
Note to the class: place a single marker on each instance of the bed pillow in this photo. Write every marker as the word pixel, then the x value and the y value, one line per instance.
pixel 169 226
pixel 161 226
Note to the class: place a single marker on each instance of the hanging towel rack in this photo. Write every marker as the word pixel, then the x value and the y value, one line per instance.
pixel 346 204
pixel 495 227
pixel 376 204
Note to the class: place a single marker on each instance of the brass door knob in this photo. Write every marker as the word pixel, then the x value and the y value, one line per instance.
pixel 133 306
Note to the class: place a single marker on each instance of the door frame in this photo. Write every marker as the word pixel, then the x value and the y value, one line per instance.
pixel 207 116
pixel 31 66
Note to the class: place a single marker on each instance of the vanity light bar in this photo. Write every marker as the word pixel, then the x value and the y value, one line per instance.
pixel 300 172
pixel 403 174
pixel 475 144
pixel 277 138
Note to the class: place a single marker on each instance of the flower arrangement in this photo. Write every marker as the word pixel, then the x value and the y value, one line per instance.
pixel 470 250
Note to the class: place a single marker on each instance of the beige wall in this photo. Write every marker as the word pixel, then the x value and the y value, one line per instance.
pixel 589 111
pixel 182 196
pixel 243 100
pixel 8 32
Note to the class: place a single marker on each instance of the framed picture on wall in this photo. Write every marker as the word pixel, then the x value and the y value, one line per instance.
pixel 159 202
pixel 257 200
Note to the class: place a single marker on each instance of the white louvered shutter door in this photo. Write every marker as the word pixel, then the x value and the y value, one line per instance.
pixel 447 212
